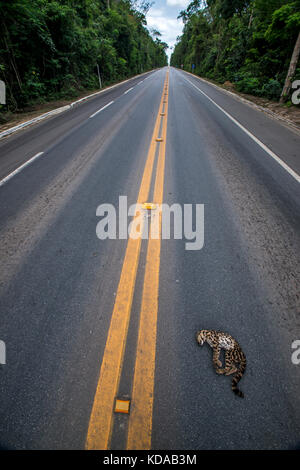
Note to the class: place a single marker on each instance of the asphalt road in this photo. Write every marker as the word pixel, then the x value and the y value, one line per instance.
pixel 59 283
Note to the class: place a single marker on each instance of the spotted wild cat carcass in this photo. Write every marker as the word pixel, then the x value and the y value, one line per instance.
pixel 234 355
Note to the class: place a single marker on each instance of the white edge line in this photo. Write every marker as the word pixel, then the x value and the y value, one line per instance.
pixel 261 144
pixel 249 103
pixel 127 91
pixel 11 130
pixel 101 109
pixel 15 172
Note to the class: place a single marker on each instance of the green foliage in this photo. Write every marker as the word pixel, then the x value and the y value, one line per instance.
pixel 248 84
pixel 248 42
pixel 272 89
pixel 50 49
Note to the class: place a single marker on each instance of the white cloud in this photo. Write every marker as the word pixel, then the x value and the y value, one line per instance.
pixel 168 27
pixel 181 3
pixel 156 12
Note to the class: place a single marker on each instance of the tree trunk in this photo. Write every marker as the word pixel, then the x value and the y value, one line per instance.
pixel 291 71
pixel 251 18
pixel 10 52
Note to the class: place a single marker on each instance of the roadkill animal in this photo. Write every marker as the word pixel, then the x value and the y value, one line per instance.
pixel 234 355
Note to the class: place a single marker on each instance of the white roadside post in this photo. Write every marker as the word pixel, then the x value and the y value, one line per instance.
pixel 2 92
pixel 100 83
pixel 2 353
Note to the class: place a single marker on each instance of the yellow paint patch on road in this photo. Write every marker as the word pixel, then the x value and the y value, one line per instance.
pixel 101 419
pixel 122 406
pixel 149 206
pixel 140 422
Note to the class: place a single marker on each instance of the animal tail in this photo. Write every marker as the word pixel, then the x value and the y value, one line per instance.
pixel 238 377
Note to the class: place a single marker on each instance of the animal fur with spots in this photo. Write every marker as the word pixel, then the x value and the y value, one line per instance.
pixel 235 359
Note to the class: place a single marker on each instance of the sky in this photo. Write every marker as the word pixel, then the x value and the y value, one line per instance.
pixel 163 17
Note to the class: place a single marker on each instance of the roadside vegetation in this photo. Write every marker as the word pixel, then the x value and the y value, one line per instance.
pixel 250 44
pixel 49 49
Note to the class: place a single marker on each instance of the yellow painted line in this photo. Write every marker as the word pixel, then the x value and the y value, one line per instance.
pixel 100 424
pixel 140 421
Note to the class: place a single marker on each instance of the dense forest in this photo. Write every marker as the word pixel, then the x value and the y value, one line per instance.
pixel 246 42
pixel 49 49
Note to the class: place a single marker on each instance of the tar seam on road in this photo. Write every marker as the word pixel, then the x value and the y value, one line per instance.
pixel 20 168
pixel 101 418
pixel 261 144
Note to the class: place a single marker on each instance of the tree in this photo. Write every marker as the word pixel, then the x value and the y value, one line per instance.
pixel 49 48
pixel 291 71
pixel 246 42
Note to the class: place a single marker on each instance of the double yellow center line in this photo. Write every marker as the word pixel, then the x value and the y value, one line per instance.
pixel 140 418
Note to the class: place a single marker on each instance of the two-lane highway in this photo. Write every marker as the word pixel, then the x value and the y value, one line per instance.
pixel 88 321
